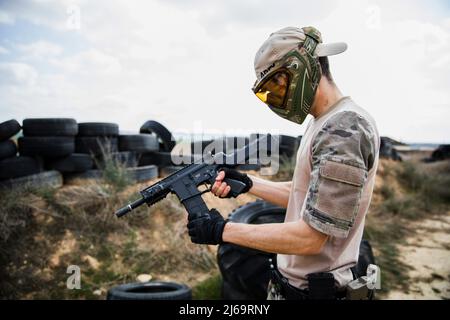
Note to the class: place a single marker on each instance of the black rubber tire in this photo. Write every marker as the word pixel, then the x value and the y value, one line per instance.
pixel 145 173
pixel 46 179
pixel 164 135
pixel 440 153
pixel 265 143
pixel 137 174
pixel 16 167
pixel 43 127
pixel 387 150
pixel 94 174
pixel 8 129
pixel 154 290
pixel 46 146
pixel 248 167
pixel 227 144
pixel 8 149
pixel 166 171
pixel 227 290
pixel 138 143
pixel 98 129
pixel 157 158
pixel 164 159
pixel 287 145
pixel 76 162
pixel 127 159
pixel 245 271
pixel 288 141
pixel 365 258
pixel 198 147
pixel 231 145
pixel 96 145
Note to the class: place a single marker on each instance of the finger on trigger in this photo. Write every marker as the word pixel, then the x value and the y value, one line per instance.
pixel 220 176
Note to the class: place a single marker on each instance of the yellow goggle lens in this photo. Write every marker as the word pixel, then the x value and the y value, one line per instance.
pixel 263 95
pixel 273 91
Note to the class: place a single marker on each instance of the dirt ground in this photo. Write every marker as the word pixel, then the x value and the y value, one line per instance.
pixel 427 252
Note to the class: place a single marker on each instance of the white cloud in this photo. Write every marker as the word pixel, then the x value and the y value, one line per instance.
pixel 91 62
pixel 6 18
pixel 39 49
pixel 3 50
pixel 48 13
pixel 17 74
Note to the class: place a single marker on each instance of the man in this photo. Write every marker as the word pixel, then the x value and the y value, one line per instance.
pixel 332 185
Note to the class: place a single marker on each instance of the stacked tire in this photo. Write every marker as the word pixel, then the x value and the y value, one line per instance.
pixel 101 141
pixel 25 170
pixel 93 141
pixel 287 145
pixel 8 147
pixel 203 148
pixel 52 142
pixel 134 146
pixel 440 154
pixel 162 156
pixel 387 150
pixel 97 138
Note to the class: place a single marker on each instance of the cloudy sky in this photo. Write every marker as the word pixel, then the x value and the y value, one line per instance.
pixel 189 64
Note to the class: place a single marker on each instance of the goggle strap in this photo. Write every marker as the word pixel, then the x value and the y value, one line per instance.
pixel 310 44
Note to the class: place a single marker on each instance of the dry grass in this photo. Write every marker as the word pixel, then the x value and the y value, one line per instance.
pixel 75 225
pixel 404 192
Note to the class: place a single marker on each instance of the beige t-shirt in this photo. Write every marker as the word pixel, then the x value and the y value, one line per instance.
pixel 331 190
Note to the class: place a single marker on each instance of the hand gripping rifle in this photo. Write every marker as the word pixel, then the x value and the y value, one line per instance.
pixel 185 182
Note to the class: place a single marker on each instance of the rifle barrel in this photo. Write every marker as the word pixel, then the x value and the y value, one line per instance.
pixel 123 211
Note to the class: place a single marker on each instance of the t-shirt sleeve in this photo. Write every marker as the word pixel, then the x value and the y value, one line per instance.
pixel 342 153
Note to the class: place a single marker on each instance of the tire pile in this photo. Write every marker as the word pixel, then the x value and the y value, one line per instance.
pixel 160 156
pixel 102 142
pixel 288 147
pixel 440 154
pixel 25 168
pixel 56 150
pixel 387 150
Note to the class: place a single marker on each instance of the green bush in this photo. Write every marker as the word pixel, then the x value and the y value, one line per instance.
pixel 114 172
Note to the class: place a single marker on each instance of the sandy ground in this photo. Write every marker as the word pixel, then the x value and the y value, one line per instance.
pixel 427 252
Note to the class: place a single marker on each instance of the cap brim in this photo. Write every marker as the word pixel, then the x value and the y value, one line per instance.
pixel 330 49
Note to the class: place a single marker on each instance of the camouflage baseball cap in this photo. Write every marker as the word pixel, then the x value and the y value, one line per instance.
pixel 288 71
pixel 287 39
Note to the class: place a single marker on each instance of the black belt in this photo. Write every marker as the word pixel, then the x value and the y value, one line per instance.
pixel 288 291
pixel 321 286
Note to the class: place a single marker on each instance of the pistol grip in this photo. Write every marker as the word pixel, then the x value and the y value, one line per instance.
pixel 236 186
